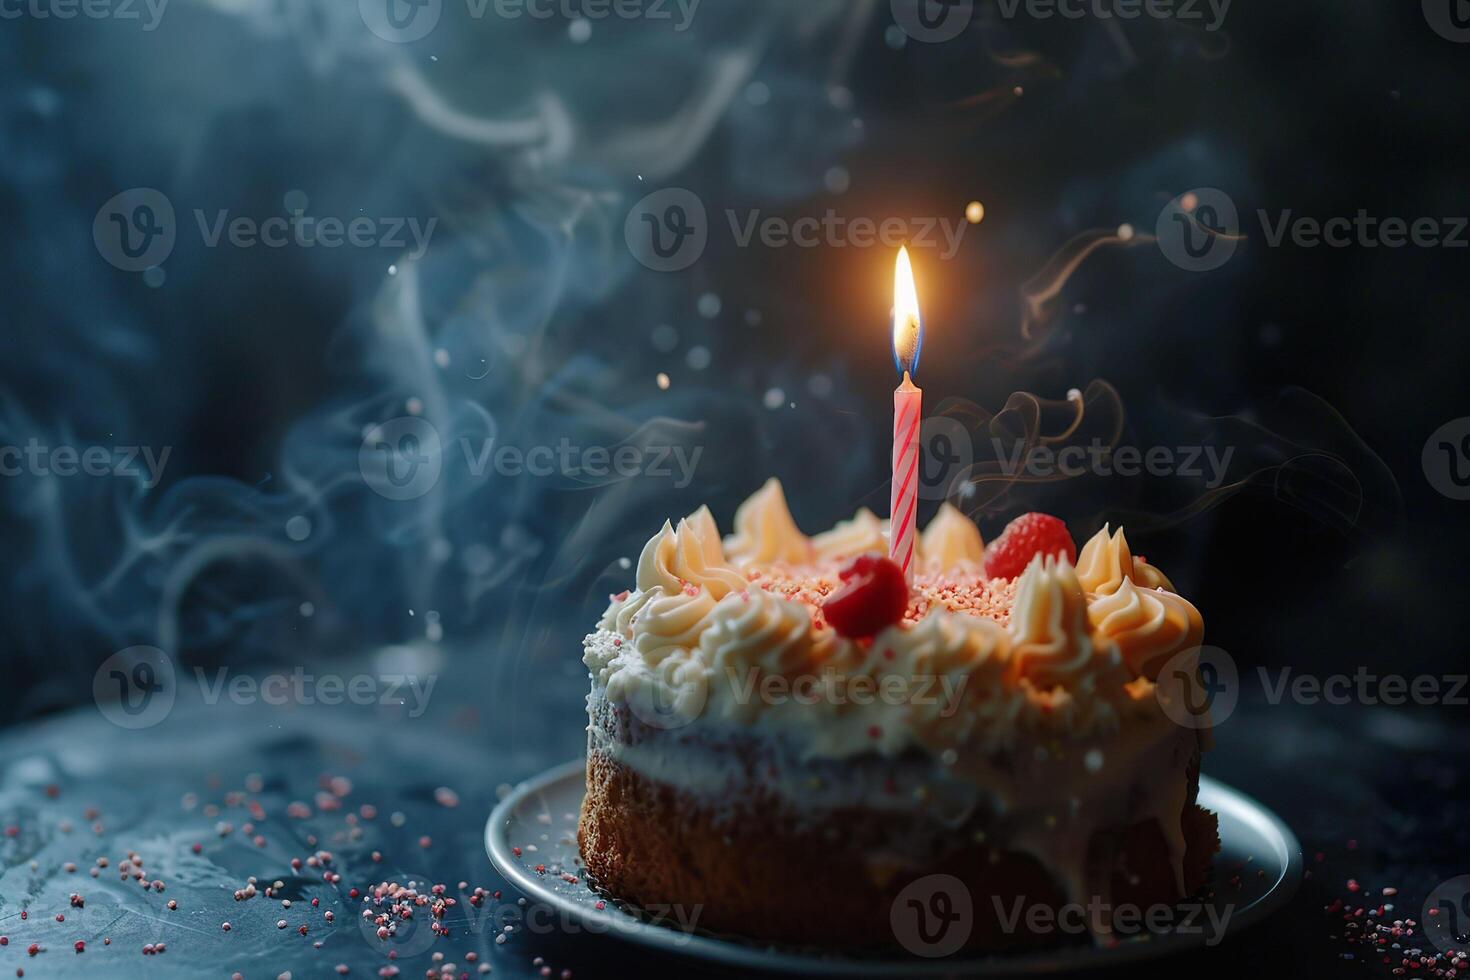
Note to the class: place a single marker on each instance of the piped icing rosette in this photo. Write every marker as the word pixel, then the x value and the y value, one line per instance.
pixel 1061 653
pixel 951 542
pixel 864 534
pixel 764 531
pixel 1134 605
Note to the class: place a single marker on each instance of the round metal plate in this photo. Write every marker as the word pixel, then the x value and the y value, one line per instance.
pixel 536 826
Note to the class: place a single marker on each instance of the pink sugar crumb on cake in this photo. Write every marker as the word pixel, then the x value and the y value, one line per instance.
pixel 952 591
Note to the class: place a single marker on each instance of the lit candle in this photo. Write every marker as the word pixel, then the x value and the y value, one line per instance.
pixel 908 338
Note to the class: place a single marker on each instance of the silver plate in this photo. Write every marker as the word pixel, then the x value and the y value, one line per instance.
pixel 1256 871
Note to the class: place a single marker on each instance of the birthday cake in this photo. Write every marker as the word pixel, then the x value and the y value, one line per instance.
pixel 785 735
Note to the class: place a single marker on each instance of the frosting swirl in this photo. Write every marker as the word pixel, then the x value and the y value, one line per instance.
pixel 765 532
pixel 1105 562
pixel 1150 577
pixel 758 629
pixel 671 622
pixel 951 540
pixel 1053 645
pixel 1148 625
pixel 861 535
pixel 690 555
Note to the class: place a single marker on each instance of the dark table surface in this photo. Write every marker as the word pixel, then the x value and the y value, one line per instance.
pixel 204 800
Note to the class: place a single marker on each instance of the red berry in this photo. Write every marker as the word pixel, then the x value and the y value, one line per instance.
pixel 874 596
pixel 1023 539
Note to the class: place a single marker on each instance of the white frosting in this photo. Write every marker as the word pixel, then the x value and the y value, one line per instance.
pixel 864 534
pixel 765 532
pixel 951 541
pixel 690 556
pixel 1106 562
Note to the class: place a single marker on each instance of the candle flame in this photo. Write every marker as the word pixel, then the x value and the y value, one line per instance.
pixel 908 329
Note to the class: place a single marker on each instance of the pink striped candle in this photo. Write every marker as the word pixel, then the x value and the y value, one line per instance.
pixel 908 400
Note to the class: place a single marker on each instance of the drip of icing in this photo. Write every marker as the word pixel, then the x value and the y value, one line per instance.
pixel 951 540
pixel 863 534
pixel 765 532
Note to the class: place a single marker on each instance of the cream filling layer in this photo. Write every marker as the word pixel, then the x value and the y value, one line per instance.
pixel 1044 799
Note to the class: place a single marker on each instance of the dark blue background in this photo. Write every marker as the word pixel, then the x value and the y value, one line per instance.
pixel 260 369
